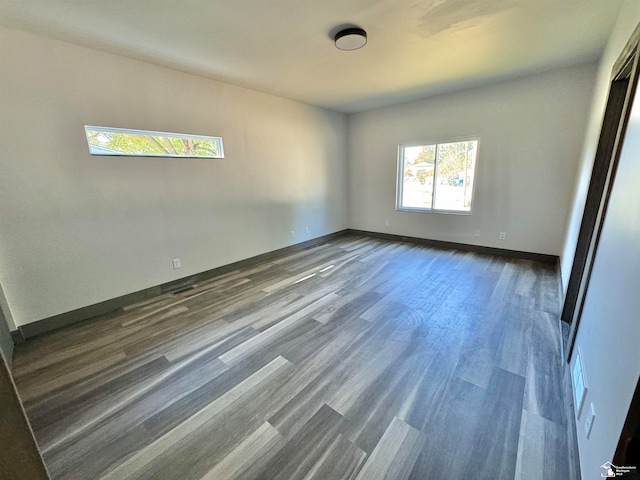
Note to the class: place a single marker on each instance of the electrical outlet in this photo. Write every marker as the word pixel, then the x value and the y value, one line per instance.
pixel 386 223
pixel 588 423
pixel 476 233
pixel 503 235
pixel 176 263
pixel 306 230
pixel 293 233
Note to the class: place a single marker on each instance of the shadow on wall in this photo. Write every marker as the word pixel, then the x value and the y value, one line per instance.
pixel 6 342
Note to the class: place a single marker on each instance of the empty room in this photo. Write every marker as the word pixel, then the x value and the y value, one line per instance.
pixel 365 240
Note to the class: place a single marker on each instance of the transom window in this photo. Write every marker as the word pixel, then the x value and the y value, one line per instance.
pixel 122 141
pixel 437 177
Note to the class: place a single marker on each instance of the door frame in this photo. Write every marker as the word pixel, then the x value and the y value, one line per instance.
pixel 622 89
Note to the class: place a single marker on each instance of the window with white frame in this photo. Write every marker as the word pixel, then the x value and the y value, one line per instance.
pixel 145 143
pixel 437 176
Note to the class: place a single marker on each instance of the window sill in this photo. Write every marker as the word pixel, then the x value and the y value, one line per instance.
pixel 430 210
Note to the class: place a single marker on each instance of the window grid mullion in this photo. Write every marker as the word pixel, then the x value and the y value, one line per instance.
pixel 400 200
pixel 435 177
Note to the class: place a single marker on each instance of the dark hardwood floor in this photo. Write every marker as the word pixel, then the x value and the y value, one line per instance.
pixel 356 359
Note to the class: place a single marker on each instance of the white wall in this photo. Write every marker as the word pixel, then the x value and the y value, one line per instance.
pixel 609 332
pixel 76 230
pixel 531 133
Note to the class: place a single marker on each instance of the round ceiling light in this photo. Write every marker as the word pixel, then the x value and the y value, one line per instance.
pixel 351 39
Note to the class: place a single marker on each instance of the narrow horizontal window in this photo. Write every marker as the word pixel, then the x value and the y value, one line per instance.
pixel 144 143
pixel 437 177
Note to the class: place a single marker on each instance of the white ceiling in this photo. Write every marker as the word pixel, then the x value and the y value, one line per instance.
pixel 415 47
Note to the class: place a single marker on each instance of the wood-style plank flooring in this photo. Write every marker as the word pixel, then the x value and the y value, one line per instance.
pixel 356 359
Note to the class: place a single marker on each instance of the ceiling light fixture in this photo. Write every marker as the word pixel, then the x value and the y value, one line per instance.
pixel 351 39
